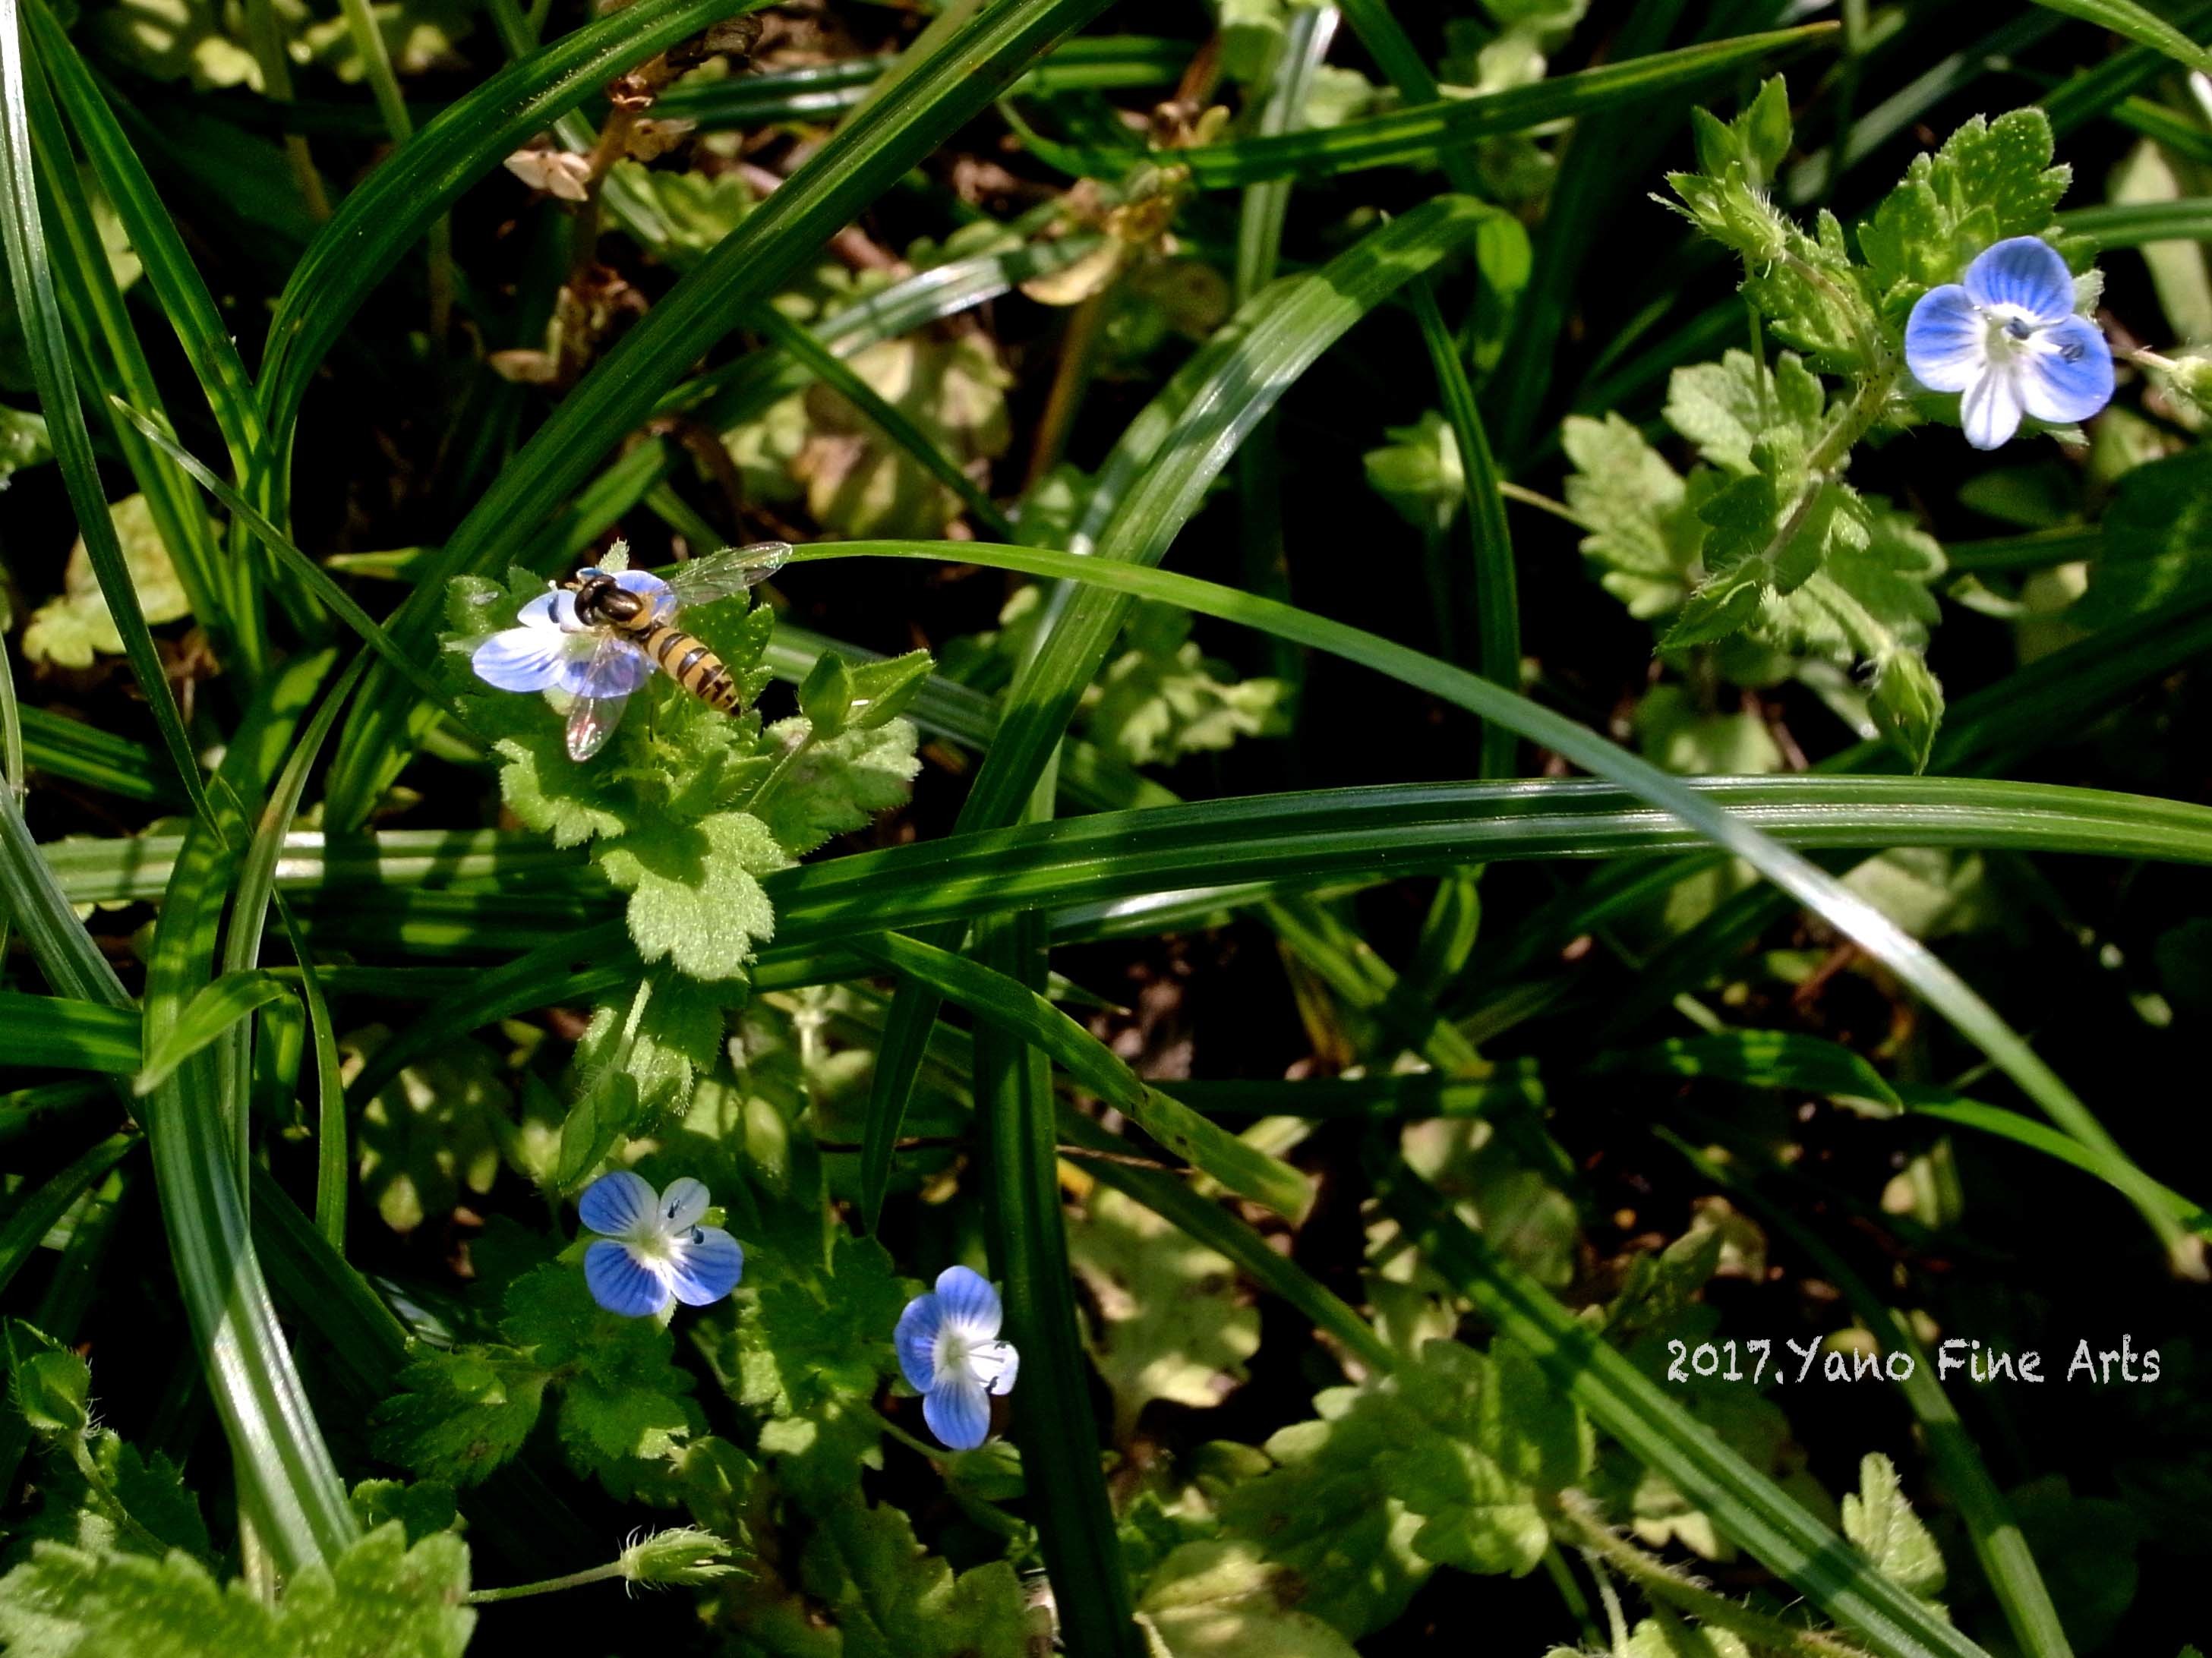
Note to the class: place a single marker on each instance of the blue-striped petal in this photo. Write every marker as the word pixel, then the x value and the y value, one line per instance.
pixel 522 659
pixel 620 1283
pixel 915 1339
pixel 2025 271
pixel 958 1412
pixel 705 1267
pixel 968 1305
pixel 619 1204
pixel 682 1203
pixel 2072 379
pixel 1946 340
pixel 995 1364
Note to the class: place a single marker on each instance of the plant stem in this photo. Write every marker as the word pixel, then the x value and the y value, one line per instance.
pixel 96 1477
pixel 574 1580
pixel 1587 1530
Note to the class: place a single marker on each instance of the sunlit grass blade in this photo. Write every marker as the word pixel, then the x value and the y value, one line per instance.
pixel 865 156
pixel 1011 1007
pixel 311 573
pixel 2131 224
pixel 213 1009
pixel 1746 1506
pixel 1422 132
pixel 2145 28
pixel 36 1210
pixel 80 753
pixel 1147 491
pixel 1942 1104
pixel 1057 1433
pixel 31 274
pixel 1930 977
pixel 67 1034
pixel 1995 1532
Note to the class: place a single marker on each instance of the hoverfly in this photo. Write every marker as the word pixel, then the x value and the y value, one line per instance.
pixel 599 635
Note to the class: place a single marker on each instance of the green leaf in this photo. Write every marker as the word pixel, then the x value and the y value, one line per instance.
pixel 432 1134
pixel 1725 408
pixel 1882 1524
pixel 817 1324
pixel 1664 1636
pixel 696 899
pixel 213 1010
pixel 50 1385
pixel 421 1510
pixel 23 440
pixel 379 1598
pixel 1223 1599
pixel 1419 473
pixel 1645 530
pixel 1162 699
pixel 1990 180
pixel 460 1413
pixel 1169 1323
pixel 67 631
pixel 890 1599
pixel 837 783
pixel 2156 532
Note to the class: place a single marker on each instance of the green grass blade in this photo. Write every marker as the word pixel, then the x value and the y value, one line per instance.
pixel 1013 1008
pixel 2131 224
pixel 2145 28
pixel 1747 1507
pixel 30 271
pixel 213 1009
pixel 35 1210
pixel 1147 490
pixel 1929 976
pixel 1491 591
pixel 395 207
pixel 1948 1107
pixel 1430 129
pixel 1996 1536
pixel 1056 1429
pixel 317 579
pixel 64 1032
pixel 170 271
pixel 79 753
pixel 2098 89
pixel 865 157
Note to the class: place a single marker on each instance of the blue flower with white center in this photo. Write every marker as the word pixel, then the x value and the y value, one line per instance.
pixel 948 1345
pixel 552 648
pixel 2008 338
pixel 653 1249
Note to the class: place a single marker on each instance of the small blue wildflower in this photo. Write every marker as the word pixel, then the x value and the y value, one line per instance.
pixel 553 648
pixel 948 1345
pixel 654 1249
pixel 2008 337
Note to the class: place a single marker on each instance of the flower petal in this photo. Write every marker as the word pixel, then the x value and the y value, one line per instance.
pixel 2026 271
pixel 995 1364
pixel 520 659
pixel 1990 409
pixel 916 1341
pixel 620 1282
pixel 705 1267
pixel 619 1204
pixel 958 1412
pixel 539 612
pixel 1946 340
pixel 2071 379
pixel 970 1306
pixel 682 1203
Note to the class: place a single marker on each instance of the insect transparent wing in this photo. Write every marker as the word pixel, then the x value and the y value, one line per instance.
pixel 732 570
pixel 601 695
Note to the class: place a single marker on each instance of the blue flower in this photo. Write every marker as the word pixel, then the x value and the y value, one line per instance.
pixel 2008 338
pixel 654 1249
pixel 948 1345
pixel 553 648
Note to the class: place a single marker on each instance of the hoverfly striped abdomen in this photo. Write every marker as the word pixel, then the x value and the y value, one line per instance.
pixel 685 658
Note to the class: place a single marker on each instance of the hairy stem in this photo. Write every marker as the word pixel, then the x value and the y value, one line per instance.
pixel 518 1591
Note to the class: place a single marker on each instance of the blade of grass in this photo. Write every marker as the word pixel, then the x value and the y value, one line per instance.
pixel 67 1034
pixel 1746 1506
pixel 1916 966
pixel 35 1210
pixel 2145 28
pixel 1944 1106
pixel 79 753
pixel 1058 1434
pixel 1001 1001
pixel 1428 131
pixel 1998 1540
pixel 865 157
pixel 213 1012
pixel 30 269
pixel 1147 488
